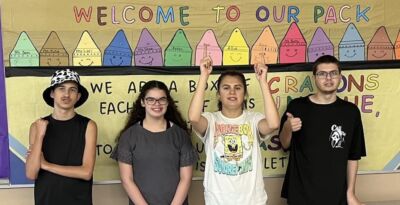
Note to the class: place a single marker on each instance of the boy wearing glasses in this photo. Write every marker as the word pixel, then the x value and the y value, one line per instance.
pixel 325 137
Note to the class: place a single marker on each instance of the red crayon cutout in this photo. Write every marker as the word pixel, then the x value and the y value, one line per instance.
pixel 397 47
pixel 209 45
pixel 293 47
pixel 265 47
pixel 380 47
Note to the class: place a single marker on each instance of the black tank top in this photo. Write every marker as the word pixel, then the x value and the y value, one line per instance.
pixel 63 144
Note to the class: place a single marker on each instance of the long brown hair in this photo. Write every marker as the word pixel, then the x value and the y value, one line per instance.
pixel 139 112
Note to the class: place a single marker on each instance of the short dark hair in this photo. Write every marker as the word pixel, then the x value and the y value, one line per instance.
pixel 326 59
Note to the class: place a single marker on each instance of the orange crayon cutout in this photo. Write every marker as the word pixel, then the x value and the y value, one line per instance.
pixel 380 47
pixel 397 47
pixel 265 48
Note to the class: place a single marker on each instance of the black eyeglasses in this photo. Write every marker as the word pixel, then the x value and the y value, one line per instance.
pixel 323 74
pixel 152 101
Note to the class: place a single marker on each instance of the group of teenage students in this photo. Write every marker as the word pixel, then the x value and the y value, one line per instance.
pixel 155 154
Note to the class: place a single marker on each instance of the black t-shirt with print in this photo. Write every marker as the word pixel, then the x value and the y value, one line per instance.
pixel 331 134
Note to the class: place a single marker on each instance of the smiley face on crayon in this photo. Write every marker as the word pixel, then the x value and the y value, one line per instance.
pixel 178 52
pixel 147 51
pixel 350 53
pixel 53 62
pixel 146 60
pixel 24 53
pixel 118 52
pixel 116 60
pixel 85 62
pixel 177 56
pixel 320 45
pixel 53 52
pixel 293 47
pixel 235 57
pixel 380 46
pixel 352 46
pixel 265 48
pixel 291 52
pixel 87 52
pixel 208 46
pixel 379 53
pixel 236 50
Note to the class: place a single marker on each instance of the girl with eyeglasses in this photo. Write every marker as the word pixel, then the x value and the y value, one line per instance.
pixel 154 150
pixel 232 137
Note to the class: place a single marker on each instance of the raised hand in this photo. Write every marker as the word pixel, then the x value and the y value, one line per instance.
pixel 294 122
pixel 206 65
pixel 261 69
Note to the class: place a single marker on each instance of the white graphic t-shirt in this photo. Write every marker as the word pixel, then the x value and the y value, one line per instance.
pixel 233 172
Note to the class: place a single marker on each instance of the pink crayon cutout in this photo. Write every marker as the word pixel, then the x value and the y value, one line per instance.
pixel 208 45
pixel 380 47
pixel 293 47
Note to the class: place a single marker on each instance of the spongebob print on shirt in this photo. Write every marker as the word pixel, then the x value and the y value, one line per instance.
pixel 233 146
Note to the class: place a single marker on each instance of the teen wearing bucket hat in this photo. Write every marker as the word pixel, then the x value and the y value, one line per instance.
pixel 60 77
pixel 61 154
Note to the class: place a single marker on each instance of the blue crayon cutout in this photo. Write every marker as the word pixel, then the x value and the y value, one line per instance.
pixel 118 52
pixel 352 46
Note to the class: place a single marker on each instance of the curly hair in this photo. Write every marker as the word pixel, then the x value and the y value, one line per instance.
pixel 138 112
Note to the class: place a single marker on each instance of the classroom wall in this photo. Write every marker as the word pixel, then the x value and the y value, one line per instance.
pixel 370 187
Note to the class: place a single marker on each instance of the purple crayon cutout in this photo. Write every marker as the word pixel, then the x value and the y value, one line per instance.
pixel 320 45
pixel 148 52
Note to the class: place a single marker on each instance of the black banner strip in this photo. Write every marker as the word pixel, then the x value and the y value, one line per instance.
pixel 190 70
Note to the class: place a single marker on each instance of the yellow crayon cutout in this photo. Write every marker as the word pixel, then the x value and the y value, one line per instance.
pixel 87 53
pixel 236 50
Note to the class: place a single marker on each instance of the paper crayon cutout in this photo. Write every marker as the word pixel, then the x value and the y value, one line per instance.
pixel 265 47
pixel 380 47
pixel 148 51
pixel 53 52
pixel 320 45
pixel 293 47
pixel 236 50
pixel 87 53
pixel 24 52
pixel 118 52
pixel 209 44
pixel 352 46
pixel 397 47
pixel 178 52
